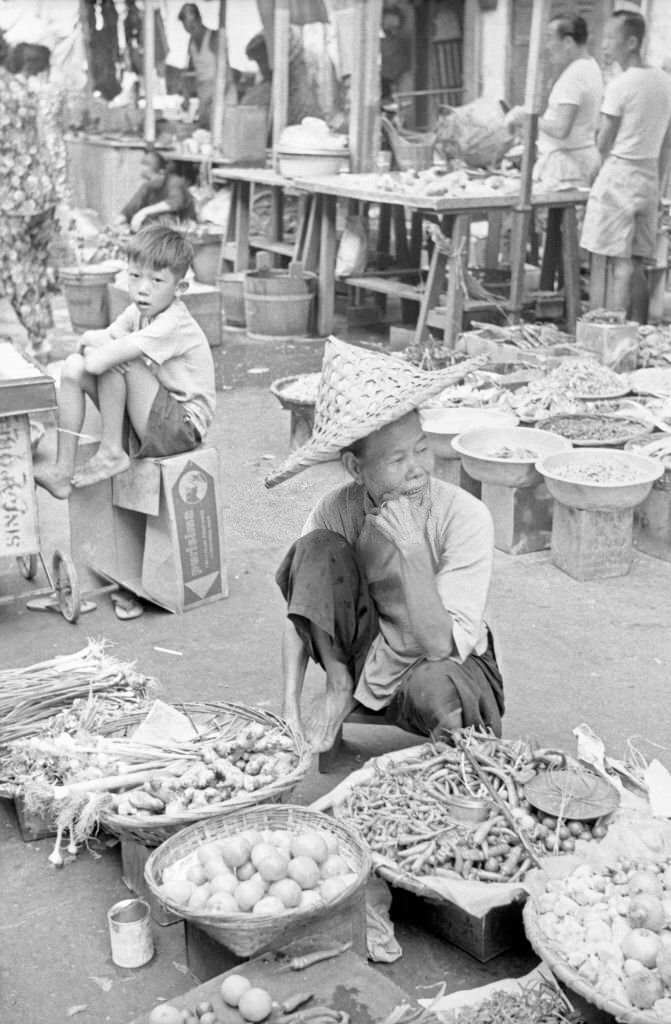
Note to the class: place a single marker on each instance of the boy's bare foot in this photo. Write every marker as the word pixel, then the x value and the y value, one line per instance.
pixel 53 481
pixel 339 702
pixel 100 466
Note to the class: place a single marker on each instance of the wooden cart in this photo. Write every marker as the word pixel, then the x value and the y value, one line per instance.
pixel 25 390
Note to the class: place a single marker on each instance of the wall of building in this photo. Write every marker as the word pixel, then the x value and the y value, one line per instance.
pixel 494 30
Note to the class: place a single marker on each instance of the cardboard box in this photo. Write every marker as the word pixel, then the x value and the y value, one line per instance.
pixel 159 531
pixel 134 856
pixel 18 518
pixel 484 938
pixel 202 300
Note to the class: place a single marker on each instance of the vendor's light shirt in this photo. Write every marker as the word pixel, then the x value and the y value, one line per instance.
pixel 178 354
pixel 459 538
pixel 581 86
pixel 641 97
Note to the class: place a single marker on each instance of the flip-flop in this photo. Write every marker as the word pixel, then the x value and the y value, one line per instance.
pixel 126 606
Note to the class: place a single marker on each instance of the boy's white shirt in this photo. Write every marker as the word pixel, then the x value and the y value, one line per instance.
pixel 178 353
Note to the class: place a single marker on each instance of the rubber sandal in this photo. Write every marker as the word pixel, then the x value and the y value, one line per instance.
pixel 126 606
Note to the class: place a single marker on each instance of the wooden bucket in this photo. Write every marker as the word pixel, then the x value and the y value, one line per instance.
pixel 232 288
pixel 85 291
pixel 206 257
pixel 278 303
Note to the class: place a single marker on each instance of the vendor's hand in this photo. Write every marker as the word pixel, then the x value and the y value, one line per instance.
pixel 137 221
pixel 402 521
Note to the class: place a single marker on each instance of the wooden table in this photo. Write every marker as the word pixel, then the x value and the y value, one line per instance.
pixel 457 212
pixel 238 244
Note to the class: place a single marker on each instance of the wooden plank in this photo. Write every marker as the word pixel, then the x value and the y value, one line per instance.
pixel 364 130
pixel 434 286
pixel 220 76
pixel 456 265
pixel 346 983
pixel 327 256
pixel 279 248
pixel 149 72
pixel 386 286
pixel 571 268
pixel 242 215
pixel 281 28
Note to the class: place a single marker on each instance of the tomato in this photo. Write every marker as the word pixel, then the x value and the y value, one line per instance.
pixel 567 845
pixel 575 828
pixel 549 822
pixel 550 843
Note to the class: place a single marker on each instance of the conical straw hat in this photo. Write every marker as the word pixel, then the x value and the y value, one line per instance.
pixel 359 392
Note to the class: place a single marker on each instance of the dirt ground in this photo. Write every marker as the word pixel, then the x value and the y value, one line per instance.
pixel 571 652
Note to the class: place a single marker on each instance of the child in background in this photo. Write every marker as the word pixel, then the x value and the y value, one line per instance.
pixel 162 193
pixel 153 365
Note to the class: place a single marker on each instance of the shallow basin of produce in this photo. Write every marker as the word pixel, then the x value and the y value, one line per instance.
pixel 592 430
pixel 507 457
pixel 599 478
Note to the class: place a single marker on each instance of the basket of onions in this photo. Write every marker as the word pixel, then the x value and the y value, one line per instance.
pixel 254 876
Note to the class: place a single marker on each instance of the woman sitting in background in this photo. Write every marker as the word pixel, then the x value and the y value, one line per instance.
pixel 162 192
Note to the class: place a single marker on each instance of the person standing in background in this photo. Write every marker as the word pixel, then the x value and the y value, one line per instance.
pixel 567 153
pixel 634 142
pixel 27 201
pixel 203 45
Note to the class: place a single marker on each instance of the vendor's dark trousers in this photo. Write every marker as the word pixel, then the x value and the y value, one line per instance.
pixel 324 586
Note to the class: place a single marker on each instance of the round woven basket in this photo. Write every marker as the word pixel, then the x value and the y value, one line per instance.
pixel 154 829
pixel 247 934
pixel 571 978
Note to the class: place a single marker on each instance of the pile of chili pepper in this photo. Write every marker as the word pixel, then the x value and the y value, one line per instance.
pixel 538 1003
pixel 404 811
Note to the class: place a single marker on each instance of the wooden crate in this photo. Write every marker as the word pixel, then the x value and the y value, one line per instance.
pixel 484 938
pixel 346 983
pixel 207 956
pixel 31 826
pixel 134 856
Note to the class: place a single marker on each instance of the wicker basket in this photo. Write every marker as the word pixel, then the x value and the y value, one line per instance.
pixel 412 151
pixel 152 830
pixel 247 934
pixel 571 978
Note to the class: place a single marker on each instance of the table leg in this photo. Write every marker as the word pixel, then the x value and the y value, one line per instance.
pixel 457 261
pixel 327 255
pixel 493 244
pixel 598 282
pixel 276 225
pixel 520 235
pixel 570 254
pixel 552 250
pixel 242 211
pixel 434 285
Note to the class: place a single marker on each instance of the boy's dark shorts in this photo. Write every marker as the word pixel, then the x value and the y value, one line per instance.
pixel 170 429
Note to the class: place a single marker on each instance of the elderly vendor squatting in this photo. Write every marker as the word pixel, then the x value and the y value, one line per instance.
pixel 387 586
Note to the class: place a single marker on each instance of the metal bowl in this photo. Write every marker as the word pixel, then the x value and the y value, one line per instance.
pixel 624 429
pixel 470 809
pixel 475 447
pixel 600 496
pixel 442 425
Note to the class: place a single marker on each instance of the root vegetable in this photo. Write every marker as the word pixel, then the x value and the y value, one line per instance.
pixel 646 911
pixel 644 989
pixel 233 987
pixel 255 1005
pixel 642 945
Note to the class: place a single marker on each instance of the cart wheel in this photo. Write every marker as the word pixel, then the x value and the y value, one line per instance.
pixel 66 585
pixel 27 566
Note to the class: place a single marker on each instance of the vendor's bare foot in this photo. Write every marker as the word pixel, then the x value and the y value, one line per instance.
pixel 292 717
pixel 101 466
pixel 53 481
pixel 339 702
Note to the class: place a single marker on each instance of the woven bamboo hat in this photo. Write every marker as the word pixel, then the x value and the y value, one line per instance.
pixel 359 392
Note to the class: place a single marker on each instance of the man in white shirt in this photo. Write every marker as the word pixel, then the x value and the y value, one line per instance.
pixel 568 156
pixel 387 586
pixel 634 141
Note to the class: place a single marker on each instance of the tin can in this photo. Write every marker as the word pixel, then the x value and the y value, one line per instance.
pixel 131 938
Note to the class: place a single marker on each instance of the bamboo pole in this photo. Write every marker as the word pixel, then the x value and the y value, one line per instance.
pixel 281 26
pixel 364 131
pixel 149 72
pixel 220 77
pixel 532 100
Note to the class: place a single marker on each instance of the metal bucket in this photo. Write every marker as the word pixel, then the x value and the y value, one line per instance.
pixel 131 938
pixel 86 296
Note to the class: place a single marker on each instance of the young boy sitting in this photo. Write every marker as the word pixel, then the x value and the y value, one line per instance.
pixel 153 365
